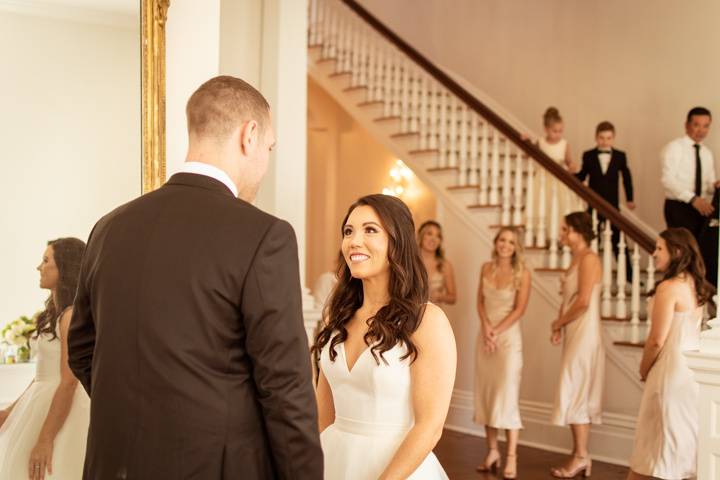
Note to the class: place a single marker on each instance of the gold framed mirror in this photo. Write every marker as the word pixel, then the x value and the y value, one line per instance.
pixel 152 28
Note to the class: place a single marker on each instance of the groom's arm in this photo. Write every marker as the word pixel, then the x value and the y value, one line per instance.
pixel 81 334
pixel 278 346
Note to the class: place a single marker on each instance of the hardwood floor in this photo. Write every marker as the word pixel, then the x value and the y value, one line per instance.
pixel 459 454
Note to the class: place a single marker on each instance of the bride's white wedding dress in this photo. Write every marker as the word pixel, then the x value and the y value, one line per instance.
pixel 19 433
pixel 373 413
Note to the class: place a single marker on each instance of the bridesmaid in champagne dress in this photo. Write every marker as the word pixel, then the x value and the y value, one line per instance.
pixel 441 278
pixel 578 400
pixel 503 296
pixel 43 433
pixel 667 424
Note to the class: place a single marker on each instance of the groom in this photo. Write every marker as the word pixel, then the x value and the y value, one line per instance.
pixel 187 330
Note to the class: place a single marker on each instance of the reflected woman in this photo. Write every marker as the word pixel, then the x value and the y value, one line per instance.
pixel 503 296
pixel 440 271
pixel 387 356
pixel 667 425
pixel 578 400
pixel 43 433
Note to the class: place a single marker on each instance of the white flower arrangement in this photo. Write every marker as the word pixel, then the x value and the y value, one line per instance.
pixel 19 331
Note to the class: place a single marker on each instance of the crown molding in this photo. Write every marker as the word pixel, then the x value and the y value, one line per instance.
pixel 71 13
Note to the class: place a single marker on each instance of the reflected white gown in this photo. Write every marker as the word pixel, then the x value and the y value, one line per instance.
pixel 20 431
pixel 373 413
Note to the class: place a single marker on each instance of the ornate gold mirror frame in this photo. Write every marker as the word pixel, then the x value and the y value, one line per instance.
pixel 152 28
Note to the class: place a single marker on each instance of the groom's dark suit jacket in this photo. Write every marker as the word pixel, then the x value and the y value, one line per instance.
pixel 188 335
pixel 607 184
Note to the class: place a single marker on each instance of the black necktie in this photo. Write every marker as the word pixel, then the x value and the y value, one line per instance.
pixel 698 171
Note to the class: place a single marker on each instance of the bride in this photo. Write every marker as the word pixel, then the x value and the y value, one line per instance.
pixel 43 433
pixel 387 357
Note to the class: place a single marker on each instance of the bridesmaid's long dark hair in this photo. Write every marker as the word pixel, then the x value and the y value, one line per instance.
pixel 408 287
pixel 67 253
pixel 685 258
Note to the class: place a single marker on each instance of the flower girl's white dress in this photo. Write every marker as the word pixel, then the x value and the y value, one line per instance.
pixel 373 413
pixel 19 433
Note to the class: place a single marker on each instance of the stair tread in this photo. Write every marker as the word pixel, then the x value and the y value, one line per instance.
pixel 386 119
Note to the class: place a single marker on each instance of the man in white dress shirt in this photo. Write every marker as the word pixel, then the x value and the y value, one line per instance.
pixel 688 175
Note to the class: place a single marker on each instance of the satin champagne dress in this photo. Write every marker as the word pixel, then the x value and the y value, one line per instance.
pixel 498 374
pixel 578 398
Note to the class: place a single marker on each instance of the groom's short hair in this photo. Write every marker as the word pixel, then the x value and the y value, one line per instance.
pixel 221 104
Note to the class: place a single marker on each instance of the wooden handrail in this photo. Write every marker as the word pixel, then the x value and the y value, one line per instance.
pixel 631 230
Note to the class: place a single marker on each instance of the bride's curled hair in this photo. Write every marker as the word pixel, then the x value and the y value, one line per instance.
pixel 395 322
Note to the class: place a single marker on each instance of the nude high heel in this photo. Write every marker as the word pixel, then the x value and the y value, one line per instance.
pixel 491 463
pixel 510 473
pixel 586 469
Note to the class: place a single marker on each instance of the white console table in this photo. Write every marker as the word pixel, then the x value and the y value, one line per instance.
pixel 14 379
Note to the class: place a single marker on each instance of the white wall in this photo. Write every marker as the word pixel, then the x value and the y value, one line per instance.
pixel 70 123
pixel 639 64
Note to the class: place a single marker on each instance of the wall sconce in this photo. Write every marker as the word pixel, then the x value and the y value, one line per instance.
pixel 400 175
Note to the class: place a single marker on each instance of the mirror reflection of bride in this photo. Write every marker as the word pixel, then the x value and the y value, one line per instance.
pixel 45 430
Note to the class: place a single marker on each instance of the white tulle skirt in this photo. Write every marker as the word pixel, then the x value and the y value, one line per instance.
pixel 354 451
pixel 19 434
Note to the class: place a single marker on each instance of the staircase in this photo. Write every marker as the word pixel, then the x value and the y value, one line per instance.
pixel 486 175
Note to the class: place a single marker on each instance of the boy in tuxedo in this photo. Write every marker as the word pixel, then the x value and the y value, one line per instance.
pixel 603 166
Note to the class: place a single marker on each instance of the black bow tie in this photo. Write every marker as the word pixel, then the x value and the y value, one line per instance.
pixel 604 151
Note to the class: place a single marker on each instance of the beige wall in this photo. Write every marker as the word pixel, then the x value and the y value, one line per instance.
pixel 639 64
pixel 344 163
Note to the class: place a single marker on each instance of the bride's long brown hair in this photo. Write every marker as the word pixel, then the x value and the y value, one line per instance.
pixel 408 287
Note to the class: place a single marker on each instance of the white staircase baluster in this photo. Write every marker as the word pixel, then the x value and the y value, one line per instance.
pixel 371 69
pixel 473 177
pixel 554 223
pixel 566 254
pixel 650 286
pixel 363 60
pixel 355 80
pixel 530 204
pixel 506 197
pixel 495 170
pixel 594 243
pixel 423 113
pixel 397 74
pixel 433 116
pixel 331 39
pixel 542 209
pixel 484 162
pixel 341 40
pixel 313 23
pixel 463 178
pixel 621 279
pixel 635 288
pixel 414 101
pixel 453 119
pixel 442 138
pixel 405 99
pixel 517 190
pixel 379 73
pixel 348 47
pixel 606 304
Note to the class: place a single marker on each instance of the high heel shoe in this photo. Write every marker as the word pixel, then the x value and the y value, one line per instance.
pixel 510 471
pixel 491 463
pixel 585 468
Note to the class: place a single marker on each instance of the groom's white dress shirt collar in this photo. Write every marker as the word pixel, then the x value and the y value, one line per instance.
pixel 211 171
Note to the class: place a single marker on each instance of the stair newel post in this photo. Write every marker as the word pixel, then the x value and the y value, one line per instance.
pixel 442 139
pixel 433 114
pixel 405 98
pixel 495 170
pixel 505 196
pixel 621 279
pixel 530 204
pixel 484 164
pixel 650 284
pixel 517 188
pixel 473 177
pixel 453 119
pixel 635 289
pixel 606 304
pixel 463 163
pixel 594 243
pixel 542 208
pixel 554 223
pixel 423 112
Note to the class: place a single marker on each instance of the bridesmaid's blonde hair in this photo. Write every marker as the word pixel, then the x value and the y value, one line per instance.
pixel 518 259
